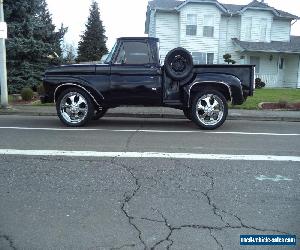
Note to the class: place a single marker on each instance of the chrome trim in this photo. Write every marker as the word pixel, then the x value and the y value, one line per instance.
pixel 229 89
pixel 77 85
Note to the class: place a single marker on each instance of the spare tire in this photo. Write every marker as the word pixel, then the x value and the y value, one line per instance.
pixel 178 64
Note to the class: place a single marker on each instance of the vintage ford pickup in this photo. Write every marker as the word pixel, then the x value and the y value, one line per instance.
pixel 132 75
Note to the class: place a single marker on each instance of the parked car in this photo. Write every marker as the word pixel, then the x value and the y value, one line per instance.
pixel 132 75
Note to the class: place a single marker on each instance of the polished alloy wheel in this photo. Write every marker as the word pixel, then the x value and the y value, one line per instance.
pixel 74 107
pixel 210 109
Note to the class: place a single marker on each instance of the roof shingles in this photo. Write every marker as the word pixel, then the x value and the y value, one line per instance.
pixel 287 47
pixel 231 8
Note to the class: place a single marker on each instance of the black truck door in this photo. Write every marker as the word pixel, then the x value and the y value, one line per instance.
pixel 135 78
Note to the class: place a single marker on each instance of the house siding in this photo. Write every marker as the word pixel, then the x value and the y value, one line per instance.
pixel 291 71
pixel 229 28
pixel 167 30
pixel 281 31
pixel 252 25
pixel 199 43
pixel 152 25
pixel 256 16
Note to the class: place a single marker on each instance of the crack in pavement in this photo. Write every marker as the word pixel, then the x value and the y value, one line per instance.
pixel 215 238
pixel 216 211
pixel 127 199
pixel 129 139
pixel 171 229
pixel 9 240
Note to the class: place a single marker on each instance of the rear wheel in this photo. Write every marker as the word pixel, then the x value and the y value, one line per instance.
pixel 74 107
pixel 209 109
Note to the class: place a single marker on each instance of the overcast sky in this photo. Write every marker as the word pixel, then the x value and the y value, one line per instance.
pixel 127 17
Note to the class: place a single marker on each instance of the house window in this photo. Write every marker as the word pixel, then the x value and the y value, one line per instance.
pixel 203 58
pixel 208 27
pixel 248 28
pixel 191 25
pixel 255 60
pixel 263 29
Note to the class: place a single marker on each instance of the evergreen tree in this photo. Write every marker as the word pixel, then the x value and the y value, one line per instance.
pixel 69 53
pixel 32 43
pixel 92 45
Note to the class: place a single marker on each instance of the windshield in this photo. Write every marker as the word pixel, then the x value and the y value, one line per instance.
pixel 109 57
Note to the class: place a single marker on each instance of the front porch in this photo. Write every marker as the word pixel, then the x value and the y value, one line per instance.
pixel 277 70
pixel 277 63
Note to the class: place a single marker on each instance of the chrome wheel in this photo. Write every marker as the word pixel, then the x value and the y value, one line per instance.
pixel 210 109
pixel 74 107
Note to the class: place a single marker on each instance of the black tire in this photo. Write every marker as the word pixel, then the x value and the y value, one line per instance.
pixel 178 64
pixel 209 109
pixel 74 107
pixel 98 114
pixel 187 113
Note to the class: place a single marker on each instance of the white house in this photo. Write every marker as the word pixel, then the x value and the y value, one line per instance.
pixel 253 34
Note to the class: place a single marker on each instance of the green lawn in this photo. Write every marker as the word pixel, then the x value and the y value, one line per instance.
pixel 270 95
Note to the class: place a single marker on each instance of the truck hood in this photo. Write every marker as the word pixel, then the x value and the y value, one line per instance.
pixel 74 69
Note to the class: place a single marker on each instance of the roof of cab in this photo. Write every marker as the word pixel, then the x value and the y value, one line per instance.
pixel 138 39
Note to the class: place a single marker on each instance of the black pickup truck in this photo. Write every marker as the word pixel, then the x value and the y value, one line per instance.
pixel 132 75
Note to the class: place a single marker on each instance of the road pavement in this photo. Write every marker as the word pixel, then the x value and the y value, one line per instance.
pixel 113 199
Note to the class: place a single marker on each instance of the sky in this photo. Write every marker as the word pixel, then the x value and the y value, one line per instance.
pixel 127 17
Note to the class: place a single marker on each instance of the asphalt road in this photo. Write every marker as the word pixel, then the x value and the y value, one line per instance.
pixel 169 202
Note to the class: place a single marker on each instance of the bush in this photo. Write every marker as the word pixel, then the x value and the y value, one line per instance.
pixel 27 94
pixel 259 84
pixel 40 89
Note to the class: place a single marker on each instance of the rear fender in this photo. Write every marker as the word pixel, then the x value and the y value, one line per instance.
pixel 230 86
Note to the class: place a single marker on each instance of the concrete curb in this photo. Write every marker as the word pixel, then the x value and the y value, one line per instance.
pixel 159 116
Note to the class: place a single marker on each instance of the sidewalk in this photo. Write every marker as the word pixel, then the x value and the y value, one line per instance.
pixel 161 112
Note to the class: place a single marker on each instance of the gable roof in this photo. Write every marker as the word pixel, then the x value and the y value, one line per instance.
pixel 175 5
pixel 287 47
pixel 227 9
pixel 164 4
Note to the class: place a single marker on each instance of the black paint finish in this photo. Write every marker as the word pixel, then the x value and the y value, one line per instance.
pixel 113 84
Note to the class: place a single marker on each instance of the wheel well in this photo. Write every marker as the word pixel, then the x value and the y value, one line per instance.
pixel 95 97
pixel 222 88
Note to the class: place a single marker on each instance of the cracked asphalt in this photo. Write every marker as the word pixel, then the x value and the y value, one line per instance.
pixel 129 203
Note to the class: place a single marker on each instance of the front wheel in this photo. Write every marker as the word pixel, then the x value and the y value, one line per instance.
pixel 209 109
pixel 74 107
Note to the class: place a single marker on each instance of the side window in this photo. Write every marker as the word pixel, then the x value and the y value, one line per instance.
pixel 208 27
pixel 203 58
pixel 133 53
pixel 263 29
pixel 191 25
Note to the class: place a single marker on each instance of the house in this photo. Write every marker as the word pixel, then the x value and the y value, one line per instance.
pixel 252 34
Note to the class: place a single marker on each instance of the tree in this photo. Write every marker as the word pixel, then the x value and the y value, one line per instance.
pixel 32 44
pixel 227 58
pixel 69 53
pixel 92 45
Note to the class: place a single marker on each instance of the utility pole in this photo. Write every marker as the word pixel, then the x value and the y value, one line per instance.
pixel 3 72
